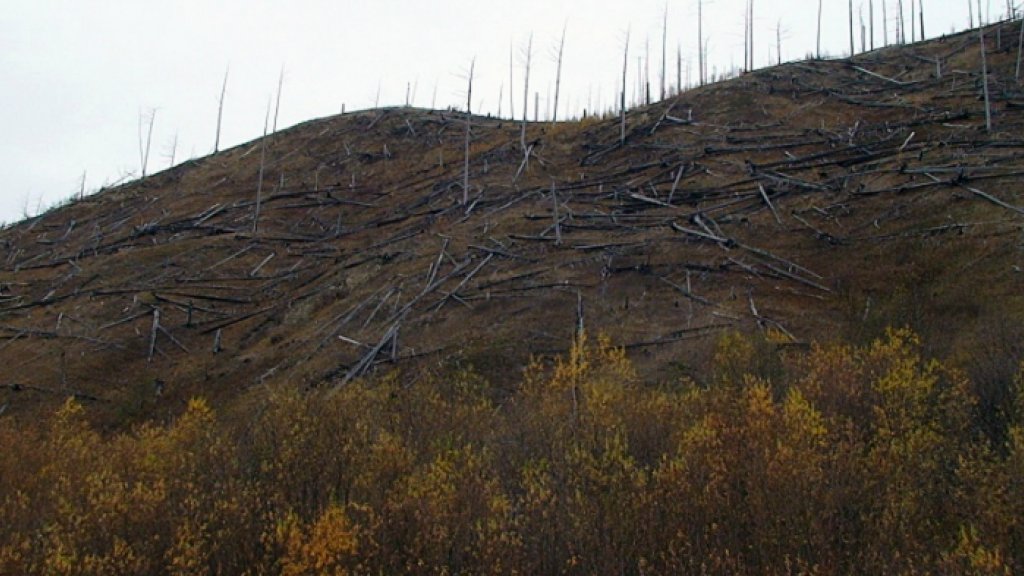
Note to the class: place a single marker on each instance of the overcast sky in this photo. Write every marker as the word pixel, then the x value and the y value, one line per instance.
pixel 76 74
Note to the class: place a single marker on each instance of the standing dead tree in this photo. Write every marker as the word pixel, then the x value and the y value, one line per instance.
pixel 511 86
pixel 871 23
pixel 750 34
pixel 144 146
pixel 526 93
pixel 921 14
pixel 852 50
pixel 818 46
pixel 700 40
pixel 277 104
pixel 901 24
pixel 220 110
pixel 263 163
pixel 622 95
pixel 469 119
pixel 558 76
pixel 664 50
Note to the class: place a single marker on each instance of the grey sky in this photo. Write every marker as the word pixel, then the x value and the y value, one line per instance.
pixel 75 74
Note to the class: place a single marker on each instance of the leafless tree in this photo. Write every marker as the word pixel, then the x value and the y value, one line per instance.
pixel 913 23
pixel 871 22
pixel 220 110
pixel 818 47
pixel 778 41
pixel 622 95
pixel 511 69
pixel 885 25
pixel 700 39
pixel 469 119
pixel 526 92
pixel 920 14
pixel 263 162
pixel 679 69
pixel 750 32
pixel 144 145
pixel 174 150
pixel 558 75
pixel 852 51
pixel 902 25
pixel 277 104
pixel 664 51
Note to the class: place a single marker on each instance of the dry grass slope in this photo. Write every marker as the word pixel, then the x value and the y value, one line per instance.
pixel 810 201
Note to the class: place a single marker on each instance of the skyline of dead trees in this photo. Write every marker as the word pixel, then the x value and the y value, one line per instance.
pixel 627 97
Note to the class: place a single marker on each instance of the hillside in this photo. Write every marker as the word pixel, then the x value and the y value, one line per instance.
pixel 776 326
pixel 813 201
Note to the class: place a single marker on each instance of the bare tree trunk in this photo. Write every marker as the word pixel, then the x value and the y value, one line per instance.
pixel 920 14
pixel 746 36
pixel 679 68
pixel 174 149
pixel 277 105
pixel 970 14
pixel 984 78
pixel 778 41
pixel 526 93
pixel 885 25
pixel 622 100
pixel 750 23
pixel 558 77
pixel 852 50
pixel 700 40
pixel 863 31
pixel 263 162
pixel 469 120
pixel 511 85
pixel 913 23
pixel 818 48
pixel 871 23
pixel 645 85
pixel 144 147
pixel 664 51
pixel 902 25
pixel 220 110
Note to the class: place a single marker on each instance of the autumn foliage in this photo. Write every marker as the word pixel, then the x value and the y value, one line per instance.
pixel 837 460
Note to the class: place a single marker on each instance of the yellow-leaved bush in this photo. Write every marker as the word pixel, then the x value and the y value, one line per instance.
pixel 834 460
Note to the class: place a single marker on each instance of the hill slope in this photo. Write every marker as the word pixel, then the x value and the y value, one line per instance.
pixel 814 200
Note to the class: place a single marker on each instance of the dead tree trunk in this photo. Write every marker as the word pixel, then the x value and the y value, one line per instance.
pixel 871 23
pixel 700 42
pixel 622 99
pixel 920 14
pixel 852 50
pixel 263 162
pixel 664 50
pixel 558 78
pixel 511 86
pixel 818 47
pixel 220 110
pixel 469 120
pixel 526 93
pixel 902 36
pixel 144 147
pixel 277 104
